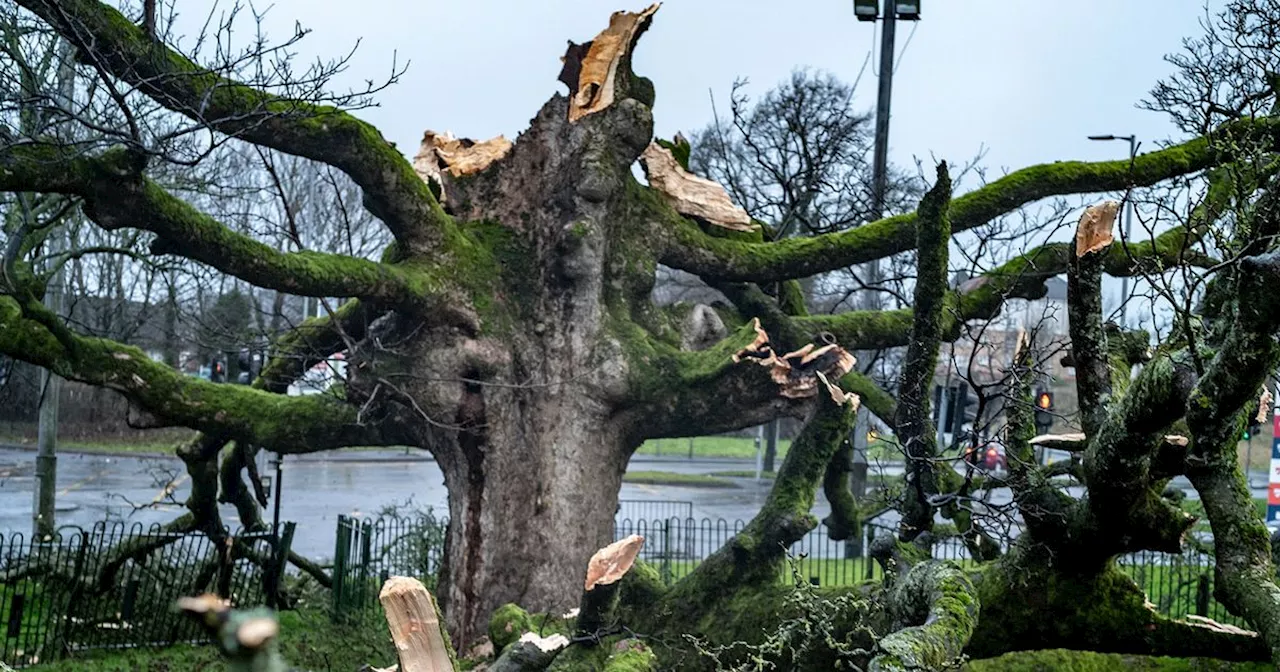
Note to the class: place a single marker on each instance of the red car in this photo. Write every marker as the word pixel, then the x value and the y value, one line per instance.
pixel 988 457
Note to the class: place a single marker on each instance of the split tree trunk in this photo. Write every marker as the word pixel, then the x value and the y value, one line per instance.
pixel 533 498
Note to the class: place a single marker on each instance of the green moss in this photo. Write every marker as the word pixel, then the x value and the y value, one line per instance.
pixel 1062 660
pixel 630 655
pixel 679 150
pixel 507 624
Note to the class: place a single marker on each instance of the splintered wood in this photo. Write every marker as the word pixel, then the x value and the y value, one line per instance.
pixel 591 69
pixel 689 194
pixel 415 626
pixel 1093 233
pixel 612 562
pixel 797 373
pixel 460 157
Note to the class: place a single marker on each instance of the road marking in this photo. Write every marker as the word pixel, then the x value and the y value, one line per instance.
pixel 78 484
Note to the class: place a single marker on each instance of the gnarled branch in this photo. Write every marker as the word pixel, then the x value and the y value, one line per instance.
pixel 393 192
pixel 690 249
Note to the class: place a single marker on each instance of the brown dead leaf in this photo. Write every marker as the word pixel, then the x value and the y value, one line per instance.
pixel 690 194
pixel 1264 405
pixel 1093 233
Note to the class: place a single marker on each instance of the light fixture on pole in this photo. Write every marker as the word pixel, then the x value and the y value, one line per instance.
pixel 1128 222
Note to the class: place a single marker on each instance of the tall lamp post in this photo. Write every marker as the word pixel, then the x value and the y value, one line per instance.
pixel 894 11
pixel 1128 223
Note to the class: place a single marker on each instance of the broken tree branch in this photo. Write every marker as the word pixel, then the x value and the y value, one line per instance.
pixel 416 627
pixel 393 192
pixel 914 424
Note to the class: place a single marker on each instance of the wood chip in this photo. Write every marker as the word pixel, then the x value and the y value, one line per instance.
pixel 690 194
pixel 1093 233
pixel 596 63
pixel 552 643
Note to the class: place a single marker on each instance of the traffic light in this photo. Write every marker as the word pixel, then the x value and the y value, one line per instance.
pixel 1044 411
pixel 1044 401
pixel 1252 429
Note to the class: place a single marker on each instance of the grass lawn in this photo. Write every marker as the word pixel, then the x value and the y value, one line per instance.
pixel 670 478
pixel 1196 508
pixel 745 473
pixel 741 448
pixel 308 640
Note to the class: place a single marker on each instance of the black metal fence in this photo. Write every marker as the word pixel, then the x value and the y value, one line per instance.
pixel 115 586
pixel 653 509
pixel 369 552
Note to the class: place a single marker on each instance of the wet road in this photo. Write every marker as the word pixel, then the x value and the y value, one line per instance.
pixel 317 489
pixel 93 488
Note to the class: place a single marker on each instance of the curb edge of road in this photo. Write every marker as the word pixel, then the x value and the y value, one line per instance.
pixel 89 451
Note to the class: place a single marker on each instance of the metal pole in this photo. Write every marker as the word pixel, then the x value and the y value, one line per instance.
pixel 1128 236
pixel 879 185
pixel 275 516
pixel 880 166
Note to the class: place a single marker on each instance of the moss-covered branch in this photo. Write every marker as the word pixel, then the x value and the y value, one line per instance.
pixel 754 555
pixel 690 249
pixel 935 607
pixel 1216 414
pixel 1089 349
pixel 287 424
pixel 914 424
pixel 393 192
pixel 983 297
pixel 116 195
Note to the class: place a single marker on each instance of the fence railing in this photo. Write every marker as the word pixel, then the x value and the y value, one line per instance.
pixel 369 552
pixel 114 586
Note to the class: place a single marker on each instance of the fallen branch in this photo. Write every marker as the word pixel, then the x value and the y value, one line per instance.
pixel 416 627
pixel 935 606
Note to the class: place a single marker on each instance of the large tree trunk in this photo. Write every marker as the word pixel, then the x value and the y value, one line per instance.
pixel 531 498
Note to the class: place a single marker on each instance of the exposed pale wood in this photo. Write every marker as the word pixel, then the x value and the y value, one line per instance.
pixel 255 632
pixel 415 626
pixel 690 194
pixel 459 156
pixel 795 373
pixel 613 561
pixel 531 652
pixel 1093 233
pixel 1070 442
pixel 592 74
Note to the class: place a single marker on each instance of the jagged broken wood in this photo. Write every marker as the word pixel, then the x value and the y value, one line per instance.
pixel 420 638
pixel 600 591
pixel 690 194
pixel 530 653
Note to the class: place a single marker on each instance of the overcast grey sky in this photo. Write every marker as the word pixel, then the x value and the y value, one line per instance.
pixel 1029 79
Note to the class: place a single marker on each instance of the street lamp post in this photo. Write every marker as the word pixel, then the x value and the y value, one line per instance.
pixel 1128 223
